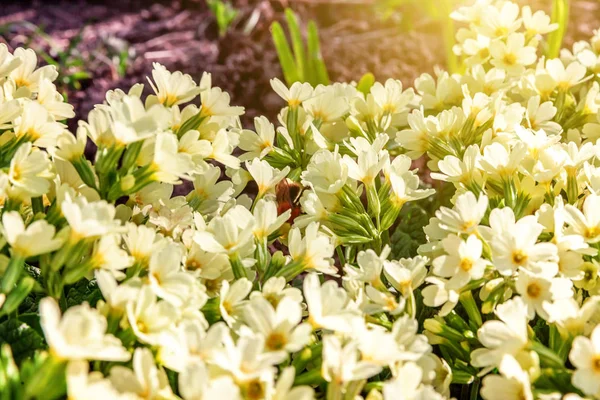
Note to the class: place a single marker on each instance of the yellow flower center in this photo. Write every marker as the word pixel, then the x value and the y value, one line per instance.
pixel 255 390
pixel 596 363
pixel 534 290
pixel 519 258
pixel 510 59
pixel 591 232
pixel 192 265
pixel 466 264
pixel 276 341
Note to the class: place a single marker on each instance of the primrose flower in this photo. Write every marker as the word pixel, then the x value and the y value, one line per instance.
pixel 80 334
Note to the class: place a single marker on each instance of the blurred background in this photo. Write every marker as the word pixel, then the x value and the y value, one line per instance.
pixel 100 45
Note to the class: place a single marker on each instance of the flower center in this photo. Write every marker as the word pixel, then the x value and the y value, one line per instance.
pixel 591 232
pixel 519 257
pixel 534 290
pixel 276 341
pixel 255 390
pixel 192 265
pixel 466 264
pixel 596 363
pixel 510 59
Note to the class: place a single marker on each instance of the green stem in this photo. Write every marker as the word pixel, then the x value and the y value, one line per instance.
pixel 12 273
pixel 560 15
pixel 239 271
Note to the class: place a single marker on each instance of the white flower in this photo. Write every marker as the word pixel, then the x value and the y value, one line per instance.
pixel 274 290
pixel 35 125
pixel 314 251
pixel 69 147
pixel 295 95
pixel 267 220
pixel 168 164
pixel 8 62
pixel 538 23
pixel 266 177
pixel 260 143
pixel 438 294
pixel 285 391
pixel 210 193
pixel 26 75
pixel 108 255
pixel 342 364
pixel 30 171
pixel 408 385
pixel 465 216
pixel 191 343
pixel 146 380
pixel 37 238
pixel 505 337
pixel 247 361
pixel 586 223
pixel 537 290
pixel 82 385
pixel 142 241
pixel 230 234
pixel 215 102
pixel 565 78
pixel 232 299
pixel 515 245
pixel 328 305
pixel 463 262
pixel 370 160
pixel 89 220
pixel 166 277
pixel 406 274
pixel 195 383
pixel 172 88
pixel 326 172
pixel 280 326
pixel 513 55
pixel 80 334
pixel 570 317
pixel 370 266
pixel 53 101
pixel 514 384
pixel 150 318
pixel 585 356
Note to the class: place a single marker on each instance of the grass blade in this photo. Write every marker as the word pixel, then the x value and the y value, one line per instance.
pixel 297 44
pixel 284 53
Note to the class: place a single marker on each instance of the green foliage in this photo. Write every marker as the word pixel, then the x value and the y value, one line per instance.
pixel 409 233
pixel 23 339
pixel 224 13
pixel 83 291
pixel 299 62
pixel 560 15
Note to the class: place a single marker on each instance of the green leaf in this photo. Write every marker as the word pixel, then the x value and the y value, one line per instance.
pixel 22 339
pixel 297 43
pixel 82 291
pixel 316 67
pixel 284 53
pixel 560 15
pixel 409 234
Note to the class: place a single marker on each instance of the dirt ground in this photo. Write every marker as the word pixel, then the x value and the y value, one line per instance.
pixel 113 43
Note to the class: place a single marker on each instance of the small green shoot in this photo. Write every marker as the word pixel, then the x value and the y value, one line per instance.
pixel 300 62
pixel 224 13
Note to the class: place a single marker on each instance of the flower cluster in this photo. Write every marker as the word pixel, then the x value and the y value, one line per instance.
pixel 162 251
